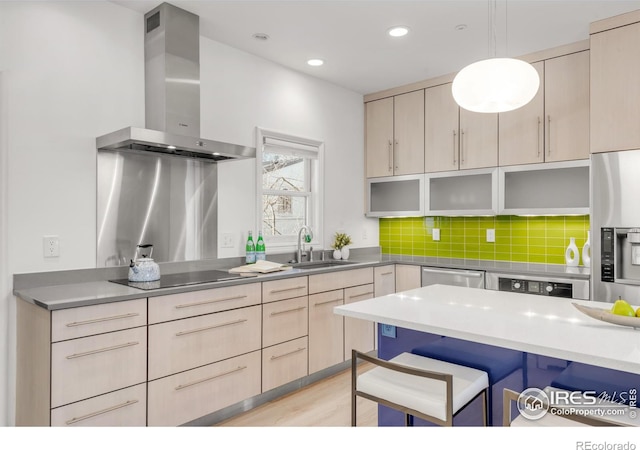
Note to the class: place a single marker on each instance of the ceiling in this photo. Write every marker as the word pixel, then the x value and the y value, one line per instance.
pixel 350 35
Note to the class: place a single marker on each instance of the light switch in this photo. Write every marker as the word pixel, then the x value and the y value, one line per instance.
pixel 491 235
pixel 436 234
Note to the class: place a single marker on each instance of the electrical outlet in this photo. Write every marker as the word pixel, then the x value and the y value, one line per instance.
pixel 50 246
pixel 388 330
pixel 364 234
pixel 436 234
pixel 491 235
pixel 227 240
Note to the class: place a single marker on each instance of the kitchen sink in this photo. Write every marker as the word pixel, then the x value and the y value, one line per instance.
pixel 321 264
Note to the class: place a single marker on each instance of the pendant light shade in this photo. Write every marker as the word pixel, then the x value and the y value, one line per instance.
pixel 495 85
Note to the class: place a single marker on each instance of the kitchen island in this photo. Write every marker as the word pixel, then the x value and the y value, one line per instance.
pixel 542 327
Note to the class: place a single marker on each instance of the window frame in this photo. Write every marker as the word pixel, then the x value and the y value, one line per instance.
pixel 313 150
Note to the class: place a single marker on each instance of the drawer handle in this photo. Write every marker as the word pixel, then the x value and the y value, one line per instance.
pixel 328 301
pixel 453 272
pixel 361 295
pixel 295 288
pixel 288 353
pixel 386 273
pixel 197 330
pixel 187 305
pixel 102 319
pixel 237 369
pixel 100 350
pixel 275 313
pixel 102 411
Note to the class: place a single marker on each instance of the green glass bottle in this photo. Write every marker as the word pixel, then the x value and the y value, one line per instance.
pixel 250 248
pixel 260 249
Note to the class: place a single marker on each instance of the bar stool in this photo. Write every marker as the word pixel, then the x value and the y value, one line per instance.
pixel 427 388
pixel 497 362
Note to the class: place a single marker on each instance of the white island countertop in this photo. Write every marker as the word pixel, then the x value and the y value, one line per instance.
pixel 537 324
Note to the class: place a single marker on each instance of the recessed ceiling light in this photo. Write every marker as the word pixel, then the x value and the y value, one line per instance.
pixel 261 36
pixel 315 62
pixel 171 147
pixel 398 31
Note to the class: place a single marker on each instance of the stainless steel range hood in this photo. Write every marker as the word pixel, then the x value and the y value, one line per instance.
pixel 172 93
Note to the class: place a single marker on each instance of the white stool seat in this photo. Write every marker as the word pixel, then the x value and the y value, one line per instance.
pixel 425 395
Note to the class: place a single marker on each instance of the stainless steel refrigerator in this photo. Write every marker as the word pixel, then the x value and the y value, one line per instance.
pixel 615 226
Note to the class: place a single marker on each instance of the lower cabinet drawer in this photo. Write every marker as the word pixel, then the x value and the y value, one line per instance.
pixel 187 396
pixel 283 363
pixel 86 367
pixel 188 343
pixel 285 320
pixel 123 408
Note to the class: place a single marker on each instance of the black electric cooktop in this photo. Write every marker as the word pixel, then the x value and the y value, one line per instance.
pixel 181 279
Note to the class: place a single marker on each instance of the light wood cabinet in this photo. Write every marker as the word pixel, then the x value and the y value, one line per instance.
pixel 395 135
pixel 340 279
pixel 554 126
pixel 384 280
pixel 456 138
pixel 189 395
pixel 407 277
pixel 122 408
pixel 286 288
pixel 284 363
pixel 187 343
pixel 358 334
pixel 284 320
pixel 326 330
pixel 615 71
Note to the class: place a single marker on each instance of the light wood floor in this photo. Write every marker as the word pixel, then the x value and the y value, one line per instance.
pixel 326 403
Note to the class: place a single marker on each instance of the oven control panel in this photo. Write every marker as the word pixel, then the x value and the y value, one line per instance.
pixel 536 287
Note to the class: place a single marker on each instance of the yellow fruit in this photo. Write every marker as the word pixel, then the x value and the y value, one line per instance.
pixel 622 308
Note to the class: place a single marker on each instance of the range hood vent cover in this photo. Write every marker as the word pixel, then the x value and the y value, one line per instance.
pixel 172 93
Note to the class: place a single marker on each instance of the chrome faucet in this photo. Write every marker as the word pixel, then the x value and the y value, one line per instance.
pixel 309 234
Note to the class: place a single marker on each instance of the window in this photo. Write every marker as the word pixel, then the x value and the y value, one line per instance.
pixel 289 188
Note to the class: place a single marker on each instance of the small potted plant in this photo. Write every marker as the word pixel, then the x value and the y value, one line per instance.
pixel 339 246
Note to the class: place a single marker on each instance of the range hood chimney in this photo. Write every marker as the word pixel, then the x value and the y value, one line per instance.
pixel 172 93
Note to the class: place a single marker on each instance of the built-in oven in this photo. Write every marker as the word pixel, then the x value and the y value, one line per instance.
pixel 549 286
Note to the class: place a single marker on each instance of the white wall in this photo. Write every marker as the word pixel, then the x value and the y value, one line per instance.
pixel 75 70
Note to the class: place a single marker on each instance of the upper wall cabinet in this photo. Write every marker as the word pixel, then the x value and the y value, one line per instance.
pixel 454 137
pixel 554 126
pixel 615 90
pixel 395 135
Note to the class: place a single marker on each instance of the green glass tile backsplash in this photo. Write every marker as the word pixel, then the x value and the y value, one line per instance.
pixel 537 239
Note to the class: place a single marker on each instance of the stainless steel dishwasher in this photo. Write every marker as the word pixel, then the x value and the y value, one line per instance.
pixel 452 277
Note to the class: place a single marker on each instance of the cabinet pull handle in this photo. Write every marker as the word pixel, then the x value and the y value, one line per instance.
pixel 100 350
pixel 397 144
pixel 182 386
pixel 361 295
pixel 102 319
pixel 197 330
pixel 454 147
pixel 102 411
pixel 277 291
pixel 288 353
pixel 548 135
pixel 461 148
pixel 206 302
pixel 328 301
pixel 453 272
pixel 275 313
pixel 386 273
pixel 539 122
pixel 390 156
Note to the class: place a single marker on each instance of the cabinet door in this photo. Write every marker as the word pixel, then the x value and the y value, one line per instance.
pixel 615 71
pixel 284 363
pixel 567 107
pixel 440 130
pixel 407 277
pixel 408 144
pixel 521 131
pixel 478 140
pixel 326 332
pixel 384 280
pixel 379 138
pixel 358 333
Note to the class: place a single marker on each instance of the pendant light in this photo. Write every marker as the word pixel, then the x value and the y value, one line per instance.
pixel 496 84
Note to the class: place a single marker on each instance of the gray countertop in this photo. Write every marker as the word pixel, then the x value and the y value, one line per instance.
pixel 84 287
